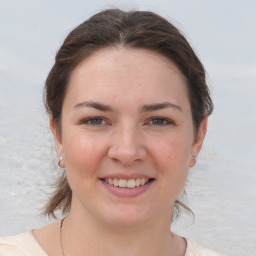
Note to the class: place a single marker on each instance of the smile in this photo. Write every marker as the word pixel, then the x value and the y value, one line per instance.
pixel 123 183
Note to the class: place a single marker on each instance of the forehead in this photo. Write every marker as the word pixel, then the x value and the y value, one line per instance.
pixel 140 74
pixel 126 58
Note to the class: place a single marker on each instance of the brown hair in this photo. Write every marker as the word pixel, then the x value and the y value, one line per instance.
pixel 114 27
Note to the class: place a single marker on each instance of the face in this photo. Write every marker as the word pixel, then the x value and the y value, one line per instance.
pixel 127 137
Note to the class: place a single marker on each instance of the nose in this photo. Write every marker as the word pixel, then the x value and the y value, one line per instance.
pixel 127 146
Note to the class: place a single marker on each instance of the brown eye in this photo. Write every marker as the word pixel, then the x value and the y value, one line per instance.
pixel 160 121
pixel 94 121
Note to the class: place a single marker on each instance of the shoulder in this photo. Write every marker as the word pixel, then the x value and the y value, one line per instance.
pixel 23 244
pixel 194 249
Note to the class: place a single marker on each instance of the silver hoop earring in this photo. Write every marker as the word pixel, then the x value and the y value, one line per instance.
pixel 60 159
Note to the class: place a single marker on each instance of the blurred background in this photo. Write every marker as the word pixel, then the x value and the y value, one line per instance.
pixel 221 188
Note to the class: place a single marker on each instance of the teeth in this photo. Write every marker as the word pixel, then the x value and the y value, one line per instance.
pixel 115 182
pixel 131 183
pixel 137 182
pixel 122 183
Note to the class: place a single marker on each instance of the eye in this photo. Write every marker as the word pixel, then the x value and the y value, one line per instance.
pixel 160 121
pixel 96 121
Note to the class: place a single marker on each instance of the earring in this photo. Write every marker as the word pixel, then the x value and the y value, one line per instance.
pixel 60 159
pixel 194 159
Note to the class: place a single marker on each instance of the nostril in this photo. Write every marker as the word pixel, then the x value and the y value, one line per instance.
pixel 126 157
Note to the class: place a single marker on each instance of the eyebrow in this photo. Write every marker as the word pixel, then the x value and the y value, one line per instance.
pixel 158 106
pixel 144 108
pixel 96 105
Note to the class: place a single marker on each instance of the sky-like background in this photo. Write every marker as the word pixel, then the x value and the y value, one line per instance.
pixel 221 189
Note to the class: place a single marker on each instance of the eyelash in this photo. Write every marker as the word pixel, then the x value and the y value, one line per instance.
pixel 156 121
pixel 163 121
pixel 89 121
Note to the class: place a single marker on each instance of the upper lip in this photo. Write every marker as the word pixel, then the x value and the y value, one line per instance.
pixel 126 176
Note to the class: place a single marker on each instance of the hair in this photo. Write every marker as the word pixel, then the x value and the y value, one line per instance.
pixel 132 29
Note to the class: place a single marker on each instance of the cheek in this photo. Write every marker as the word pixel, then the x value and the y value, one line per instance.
pixel 83 155
pixel 172 158
pixel 174 152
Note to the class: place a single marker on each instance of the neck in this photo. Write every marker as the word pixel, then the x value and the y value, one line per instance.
pixel 89 235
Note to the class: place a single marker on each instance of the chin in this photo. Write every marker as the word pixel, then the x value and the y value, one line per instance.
pixel 127 217
pixel 126 222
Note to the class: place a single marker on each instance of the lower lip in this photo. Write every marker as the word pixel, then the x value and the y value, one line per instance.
pixel 127 192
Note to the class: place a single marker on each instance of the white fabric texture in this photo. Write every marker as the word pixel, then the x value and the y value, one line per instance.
pixel 25 244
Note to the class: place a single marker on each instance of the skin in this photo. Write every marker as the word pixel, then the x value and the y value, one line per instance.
pixel 123 135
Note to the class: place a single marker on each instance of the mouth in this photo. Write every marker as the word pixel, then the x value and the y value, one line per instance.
pixel 127 183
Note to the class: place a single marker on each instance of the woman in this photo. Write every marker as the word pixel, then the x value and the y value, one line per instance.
pixel 128 107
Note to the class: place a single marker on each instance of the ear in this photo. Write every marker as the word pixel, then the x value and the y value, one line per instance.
pixel 198 142
pixel 57 136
